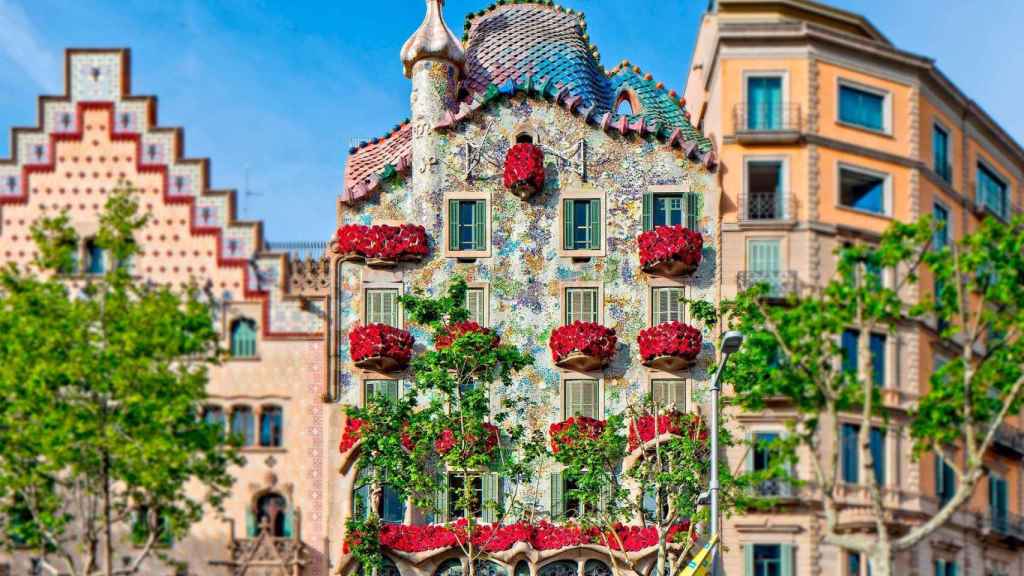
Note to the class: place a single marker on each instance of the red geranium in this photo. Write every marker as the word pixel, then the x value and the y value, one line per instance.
pixel 382 241
pixel 448 440
pixel 380 340
pixel 524 168
pixel 587 338
pixel 564 433
pixel 353 429
pixel 666 243
pixel 670 339
pixel 648 427
pixel 459 329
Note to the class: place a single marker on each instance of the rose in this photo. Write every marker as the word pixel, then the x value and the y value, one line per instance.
pixel 524 167
pixel 353 431
pixel 648 427
pixel 382 241
pixel 459 329
pixel 447 440
pixel 670 339
pixel 665 243
pixel 380 340
pixel 585 337
pixel 564 433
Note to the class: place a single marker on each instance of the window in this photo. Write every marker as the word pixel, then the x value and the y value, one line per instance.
pixel 945 480
pixel 876 344
pixel 624 105
pixel 141 523
pixel 666 305
pixel 857 564
pixel 850 455
pixel 476 303
pixel 214 415
pixel 271 425
pixel 998 504
pixel 581 398
pixel 242 424
pixel 861 190
pixel 572 508
pixel 763 264
pixel 272 514
pixel 991 192
pixel 671 209
pixel 764 103
pixel 390 389
pixel 581 305
pixel 467 225
pixel 768 560
pixel 95 258
pixel 760 458
pixel 669 392
pixel 392 506
pixel 862 108
pixel 946 568
pixel 941 236
pixel 764 189
pixel 73 266
pixel 382 306
pixel 456 485
pixel 243 338
pixel 582 223
pixel 940 153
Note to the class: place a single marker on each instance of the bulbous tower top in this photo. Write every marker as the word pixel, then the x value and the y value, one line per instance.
pixel 434 40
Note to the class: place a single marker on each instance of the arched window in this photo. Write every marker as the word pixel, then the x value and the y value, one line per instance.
pixel 596 568
pixel 392 506
pixel 490 568
pixel 524 138
pixel 213 414
pixel 95 258
pixel 243 338
pixel 271 424
pixel 450 567
pixel 626 103
pixel 272 511
pixel 242 424
pixel 559 568
pixel 522 568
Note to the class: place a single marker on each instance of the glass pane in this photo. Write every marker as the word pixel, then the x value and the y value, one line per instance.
pixel 850 455
pixel 242 425
pixel 764 103
pixel 456 486
pixel 849 346
pixel 877 344
pixel 668 209
pixel 762 454
pixel 581 227
pixel 270 426
pixel 475 303
pixel 861 108
pixel 581 398
pixel 877 442
pixel 466 221
pixel 382 306
pixel 862 191
pixel 941 236
pixel 666 305
pixel 580 305
pixel 669 393
pixel 767 560
pixel 764 190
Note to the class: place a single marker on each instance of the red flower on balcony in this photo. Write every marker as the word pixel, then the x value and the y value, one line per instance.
pixel 351 435
pixel 524 169
pixel 447 440
pixel 669 345
pixel 459 329
pixel 381 244
pixel 583 345
pixel 380 347
pixel 564 433
pixel 670 250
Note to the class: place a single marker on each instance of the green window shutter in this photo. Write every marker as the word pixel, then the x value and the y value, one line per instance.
pixel 595 225
pixel 453 224
pixel 250 524
pixel 952 569
pixel 480 225
pixel 492 498
pixel 940 568
pixel 287 532
pixel 751 442
pixel 441 499
pixel 692 210
pixel 748 560
pixel 648 211
pixel 557 496
pixel 788 560
pixel 568 208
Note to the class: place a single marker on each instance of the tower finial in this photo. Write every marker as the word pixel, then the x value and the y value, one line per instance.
pixel 434 40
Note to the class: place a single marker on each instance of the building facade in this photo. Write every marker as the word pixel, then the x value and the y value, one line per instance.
pixel 827 132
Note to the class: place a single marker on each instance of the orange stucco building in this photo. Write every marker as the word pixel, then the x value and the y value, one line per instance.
pixel 827 133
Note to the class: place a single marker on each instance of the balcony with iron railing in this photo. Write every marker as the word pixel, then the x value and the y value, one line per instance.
pixel 767 122
pixel 1009 438
pixel 781 283
pixel 1003 525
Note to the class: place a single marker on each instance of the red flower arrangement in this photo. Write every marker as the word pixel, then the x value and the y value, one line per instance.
pixel 542 536
pixel 380 346
pixel 459 329
pixel 524 169
pixel 670 250
pixel 447 440
pixel 669 345
pixel 353 430
pixel 564 433
pixel 648 427
pixel 586 339
pixel 381 243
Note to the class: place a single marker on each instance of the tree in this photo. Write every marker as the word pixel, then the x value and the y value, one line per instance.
pixel 659 474
pixel 101 385
pixel 978 310
pixel 450 423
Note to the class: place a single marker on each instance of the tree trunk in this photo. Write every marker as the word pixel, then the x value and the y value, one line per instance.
pixel 662 551
pixel 881 560
pixel 108 541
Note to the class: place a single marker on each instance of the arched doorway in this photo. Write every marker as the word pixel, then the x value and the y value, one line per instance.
pixel 271 508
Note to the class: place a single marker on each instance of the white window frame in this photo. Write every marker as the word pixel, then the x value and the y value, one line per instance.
pixel 887 202
pixel 485 289
pixel 774 73
pixel 652 301
pixel 365 309
pixel 598 400
pixel 886 105
pixel 563 300
pixel 784 201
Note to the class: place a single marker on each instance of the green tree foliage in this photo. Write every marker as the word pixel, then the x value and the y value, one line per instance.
pixel 979 311
pixel 102 379
pixel 458 393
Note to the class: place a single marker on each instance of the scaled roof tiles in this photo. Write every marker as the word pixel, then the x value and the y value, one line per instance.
pixel 541 50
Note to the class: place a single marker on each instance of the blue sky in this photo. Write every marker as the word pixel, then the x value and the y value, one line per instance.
pixel 279 90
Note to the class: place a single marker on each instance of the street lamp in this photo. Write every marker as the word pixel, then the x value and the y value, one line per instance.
pixel 730 343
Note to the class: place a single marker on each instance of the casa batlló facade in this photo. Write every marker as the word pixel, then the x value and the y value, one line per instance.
pixel 574 199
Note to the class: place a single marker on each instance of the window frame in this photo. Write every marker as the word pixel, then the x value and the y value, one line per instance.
pixel 563 300
pixel 947 229
pixel 237 320
pixel 654 378
pixel 940 127
pixel 887 105
pixel 364 306
pixel 682 190
pixel 983 165
pixel 249 434
pixel 368 377
pixel 559 224
pixel 446 224
pixel 264 411
pixel 881 464
pixel 653 288
pixel 783 75
pixel 784 178
pixel 598 398
pixel 485 289
pixel 887 189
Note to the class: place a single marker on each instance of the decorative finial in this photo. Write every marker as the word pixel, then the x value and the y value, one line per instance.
pixel 432 40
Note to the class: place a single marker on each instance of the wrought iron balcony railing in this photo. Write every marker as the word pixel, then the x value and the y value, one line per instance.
pixel 781 117
pixel 781 283
pixel 765 205
pixel 1003 524
pixel 1009 438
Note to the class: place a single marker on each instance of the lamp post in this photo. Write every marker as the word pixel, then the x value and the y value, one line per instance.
pixel 730 343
